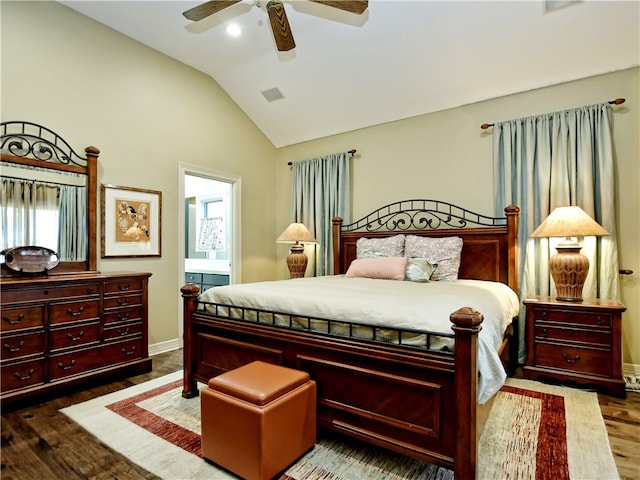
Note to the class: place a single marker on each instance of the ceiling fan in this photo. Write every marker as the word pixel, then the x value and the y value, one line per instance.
pixel 277 15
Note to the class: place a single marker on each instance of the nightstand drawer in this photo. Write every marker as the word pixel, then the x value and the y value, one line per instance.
pixel 595 337
pixel 587 319
pixel 575 359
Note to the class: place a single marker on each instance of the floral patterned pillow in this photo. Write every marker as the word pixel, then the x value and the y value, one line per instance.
pixel 380 247
pixel 445 252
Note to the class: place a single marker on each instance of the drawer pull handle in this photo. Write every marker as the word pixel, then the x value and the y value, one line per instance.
pixel 600 320
pixel 13 349
pixel 14 322
pixel 123 331
pixel 26 377
pixel 130 352
pixel 545 333
pixel 570 360
pixel 124 302
pixel 75 339
pixel 544 314
pixel 122 316
pixel 75 314
pixel 123 288
pixel 89 289
pixel 66 367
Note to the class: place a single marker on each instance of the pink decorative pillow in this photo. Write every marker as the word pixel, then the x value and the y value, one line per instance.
pixel 445 252
pixel 386 268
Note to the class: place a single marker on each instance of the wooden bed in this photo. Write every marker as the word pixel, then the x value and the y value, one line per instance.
pixel 415 401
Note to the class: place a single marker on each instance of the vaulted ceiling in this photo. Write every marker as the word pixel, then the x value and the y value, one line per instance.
pixel 396 60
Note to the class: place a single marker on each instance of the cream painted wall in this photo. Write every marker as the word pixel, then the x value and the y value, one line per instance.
pixel 446 156
pixel 146 113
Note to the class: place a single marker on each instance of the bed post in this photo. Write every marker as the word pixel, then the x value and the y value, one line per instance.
pixel 512 212
pixel 189 299
pixel 337 225
pixel 466 325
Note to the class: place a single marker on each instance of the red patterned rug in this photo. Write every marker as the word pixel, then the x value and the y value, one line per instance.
pixel 534 431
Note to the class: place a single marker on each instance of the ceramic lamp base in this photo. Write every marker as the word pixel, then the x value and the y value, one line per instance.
pixel 297 261
pixel 569 270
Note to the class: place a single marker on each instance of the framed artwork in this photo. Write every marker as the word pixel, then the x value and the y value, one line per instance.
pixel 131 222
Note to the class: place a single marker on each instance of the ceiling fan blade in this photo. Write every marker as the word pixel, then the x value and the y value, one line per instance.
pixel 207 8
pixel 353 6
pixel 280 26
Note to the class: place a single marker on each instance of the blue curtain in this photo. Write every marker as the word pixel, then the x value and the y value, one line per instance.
pixel 553 160
pixel 320 190
pixel 72 237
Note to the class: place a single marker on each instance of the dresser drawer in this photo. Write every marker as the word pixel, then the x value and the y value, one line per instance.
pixel 50 292
pixel 22 375
pixel 123 315
pixel 576 359
pixel 125 351
pixel 589 336
pixel 122 301
pixel 17 346
pixel 121 330
pixel 73 311
pixel 587 319
pixel 22 317
pixel 74 363
pixel 123 286
pixel 83 333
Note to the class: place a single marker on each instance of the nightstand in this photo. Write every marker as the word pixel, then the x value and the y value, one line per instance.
pixel 575 343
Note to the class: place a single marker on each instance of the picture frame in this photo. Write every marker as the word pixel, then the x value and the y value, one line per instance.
pixel 131 222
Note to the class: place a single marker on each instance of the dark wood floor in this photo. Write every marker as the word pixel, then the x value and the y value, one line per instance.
pixel 39 442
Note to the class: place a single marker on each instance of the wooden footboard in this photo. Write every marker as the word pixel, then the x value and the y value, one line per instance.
pixel 419 403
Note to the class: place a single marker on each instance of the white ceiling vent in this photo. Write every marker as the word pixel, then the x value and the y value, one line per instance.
pixel 551 5
pixel 272 94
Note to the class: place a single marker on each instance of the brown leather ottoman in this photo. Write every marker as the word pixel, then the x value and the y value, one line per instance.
pixel 258 419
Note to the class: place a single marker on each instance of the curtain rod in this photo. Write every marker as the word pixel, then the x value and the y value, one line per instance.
pixel 617 101
pixel 351 152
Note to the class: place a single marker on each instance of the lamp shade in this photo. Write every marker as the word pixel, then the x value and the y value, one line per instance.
pixel 569 222
pixel 296 233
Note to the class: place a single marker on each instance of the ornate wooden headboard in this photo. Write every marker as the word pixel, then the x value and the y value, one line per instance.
pixel 489 249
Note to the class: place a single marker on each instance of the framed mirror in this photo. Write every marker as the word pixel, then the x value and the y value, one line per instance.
pixel 49 196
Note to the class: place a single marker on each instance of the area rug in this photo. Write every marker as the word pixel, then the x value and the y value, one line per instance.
pixel 533 431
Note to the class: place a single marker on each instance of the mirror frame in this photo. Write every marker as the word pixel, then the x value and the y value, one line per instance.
pixel 28 143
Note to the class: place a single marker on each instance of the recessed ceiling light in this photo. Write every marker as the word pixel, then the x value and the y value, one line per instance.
pixel 234 30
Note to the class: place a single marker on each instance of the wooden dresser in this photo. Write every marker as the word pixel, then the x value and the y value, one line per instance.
pixel 67 330
pixel 575 343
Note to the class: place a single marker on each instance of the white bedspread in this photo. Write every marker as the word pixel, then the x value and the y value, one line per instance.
pixel 390 303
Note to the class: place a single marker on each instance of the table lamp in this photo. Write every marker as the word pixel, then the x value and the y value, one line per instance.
pixel 569 267
pixel 297 234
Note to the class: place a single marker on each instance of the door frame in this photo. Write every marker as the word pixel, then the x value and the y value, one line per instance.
pixel 235 273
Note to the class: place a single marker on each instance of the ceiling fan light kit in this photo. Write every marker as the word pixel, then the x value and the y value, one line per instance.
pixel 277 15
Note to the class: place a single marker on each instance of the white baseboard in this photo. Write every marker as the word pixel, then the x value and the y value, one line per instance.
pixel 631 374
pixel 164 347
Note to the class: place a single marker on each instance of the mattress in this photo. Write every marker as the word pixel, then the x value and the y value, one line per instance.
pixel 389 303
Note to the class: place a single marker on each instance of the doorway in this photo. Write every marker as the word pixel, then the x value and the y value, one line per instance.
pixel 208 230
